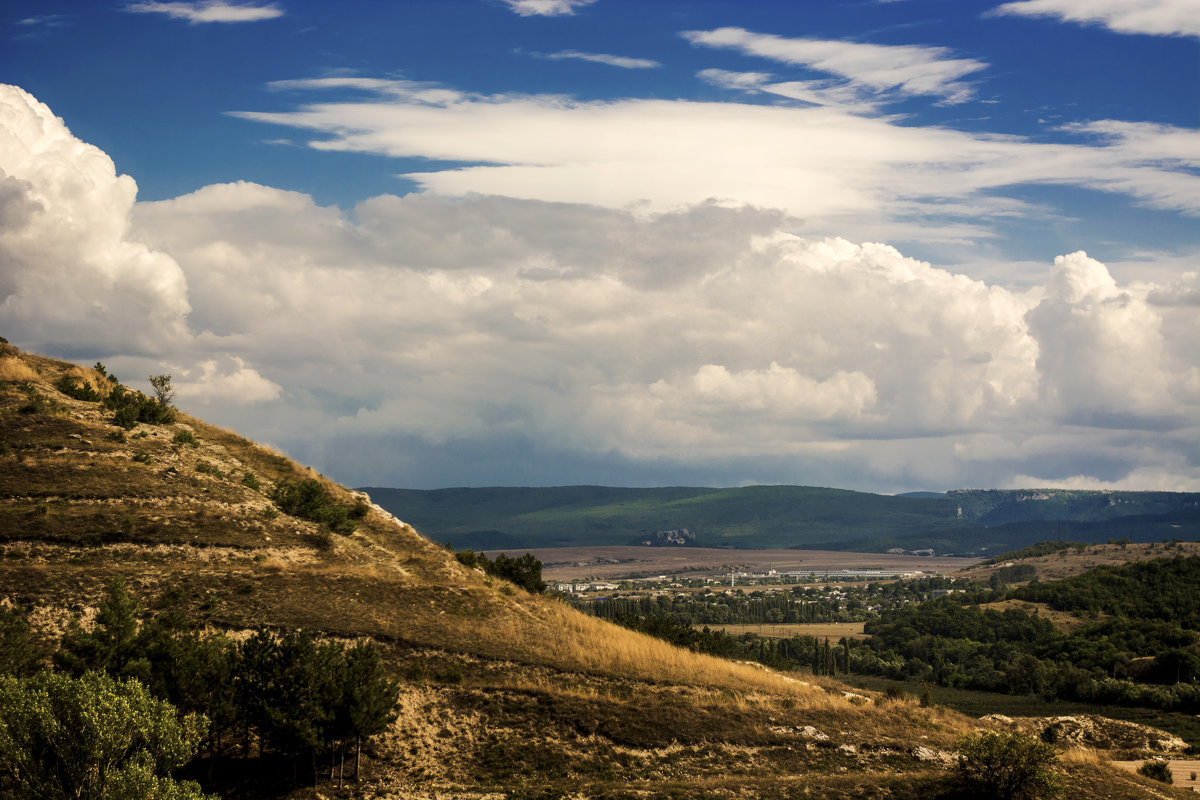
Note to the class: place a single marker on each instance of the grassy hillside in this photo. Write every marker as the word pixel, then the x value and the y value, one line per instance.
pixel 504 694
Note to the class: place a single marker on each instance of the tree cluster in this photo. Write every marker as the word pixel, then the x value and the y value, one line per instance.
pixel 291 696
pixel 525 571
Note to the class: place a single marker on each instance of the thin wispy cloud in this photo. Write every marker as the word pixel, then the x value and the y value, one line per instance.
pixel 1153 17
pixel 546 8
pixel 603 58
pixel 845 96
pixel 210 11
pixel 45 21
pixel 819 163
pixel 901 69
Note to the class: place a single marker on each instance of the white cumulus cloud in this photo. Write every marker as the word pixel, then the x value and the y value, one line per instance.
pixel 435 340
pixel 69 272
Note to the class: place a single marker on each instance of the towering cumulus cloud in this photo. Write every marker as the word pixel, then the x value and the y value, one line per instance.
pixel 70 276
pixel 428 340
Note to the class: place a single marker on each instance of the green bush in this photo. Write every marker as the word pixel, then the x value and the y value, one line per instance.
pixel 251 481
pixel 309 500
pixel 1158 770
pixel 130 407
pixel 1008 765
pixel 525 571
pixel 79 391
pixel 186 437
pixel 93 738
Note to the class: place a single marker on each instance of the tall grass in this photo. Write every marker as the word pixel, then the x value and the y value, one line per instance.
pixel 15 370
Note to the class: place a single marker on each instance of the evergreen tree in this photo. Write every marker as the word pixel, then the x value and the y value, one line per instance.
pixel 368 698
pixel 111 646
pixel 18 654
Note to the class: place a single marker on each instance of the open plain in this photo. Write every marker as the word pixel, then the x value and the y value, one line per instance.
pixel 611 563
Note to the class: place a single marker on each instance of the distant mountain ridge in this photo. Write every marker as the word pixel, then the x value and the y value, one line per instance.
pixel 957 522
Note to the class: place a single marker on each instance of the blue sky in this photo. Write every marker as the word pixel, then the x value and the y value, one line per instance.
pixel 550 241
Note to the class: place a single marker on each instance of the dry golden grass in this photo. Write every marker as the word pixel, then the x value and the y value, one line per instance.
pixel 15 370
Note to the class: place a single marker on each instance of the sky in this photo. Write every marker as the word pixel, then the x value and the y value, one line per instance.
pixel 885 245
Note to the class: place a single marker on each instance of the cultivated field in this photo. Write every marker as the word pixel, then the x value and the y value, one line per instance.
pixel 781 630
pixel 1185 772
pixel 612 563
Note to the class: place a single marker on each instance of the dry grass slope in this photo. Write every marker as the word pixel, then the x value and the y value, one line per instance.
pixel 506 694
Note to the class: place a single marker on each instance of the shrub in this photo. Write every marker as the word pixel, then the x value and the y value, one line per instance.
pixel 525 571
pixel 79 391
pixel 1008 765
pixel 1158 770
pixel 250 481
pixel 93 738
pixel 186 437
pixel 309 500
pixel 129 408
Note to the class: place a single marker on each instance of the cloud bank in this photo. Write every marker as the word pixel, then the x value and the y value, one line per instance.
pixel 432 339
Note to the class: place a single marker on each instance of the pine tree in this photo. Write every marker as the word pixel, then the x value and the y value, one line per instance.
pixel 111 646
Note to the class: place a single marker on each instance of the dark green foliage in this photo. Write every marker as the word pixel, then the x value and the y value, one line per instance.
pixel 185 437
pixel 1158 770
pixel 1165 589
pixel 93 738
pixel 525 571
pixel 308 499
pixel 298 694
pixel 1017 573
pixel 250 480
pixel 81 390
pixel 112 646
pixel 18 654
pixel 1007 765
pixel 130 407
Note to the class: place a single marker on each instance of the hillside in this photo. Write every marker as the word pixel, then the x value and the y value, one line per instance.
pixel 503 693
pixel 749 517
pixel 965 522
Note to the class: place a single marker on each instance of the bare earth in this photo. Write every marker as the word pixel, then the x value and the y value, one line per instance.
pixel 611 563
